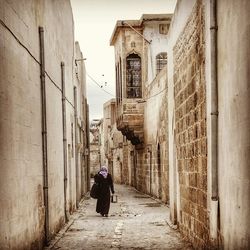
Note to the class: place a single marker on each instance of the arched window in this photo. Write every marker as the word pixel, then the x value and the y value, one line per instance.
pixel 133 76
pixel 161 61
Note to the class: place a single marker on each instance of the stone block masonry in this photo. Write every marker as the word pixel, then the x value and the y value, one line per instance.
pixel 125 170
pixel 190 120
pixel 177 161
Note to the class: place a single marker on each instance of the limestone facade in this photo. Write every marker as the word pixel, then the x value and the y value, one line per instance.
pixel 96 149
pixel 199 148
pixel 113 142
pixel 155 154
pixel 46 153
pixel 190 124
pixel 234 123
pixel 142 117
pixel 138 44
pixel 180 145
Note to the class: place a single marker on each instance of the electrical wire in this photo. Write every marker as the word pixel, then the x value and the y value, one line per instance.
pixel 3 24
pixel 114 95
pixel 99 85
pixel 33 57
pixel 156 94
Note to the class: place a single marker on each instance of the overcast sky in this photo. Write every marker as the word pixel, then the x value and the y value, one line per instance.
pixel 94 23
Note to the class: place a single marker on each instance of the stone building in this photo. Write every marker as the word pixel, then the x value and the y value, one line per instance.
pixel 113 142
pixel 187 124
pixel 43 122
pixel 95 145
pixel 81 126
pixel 141 83
pixel 208 110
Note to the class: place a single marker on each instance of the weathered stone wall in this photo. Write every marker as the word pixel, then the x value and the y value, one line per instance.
pixel 151 32
pixel 125 168
pixel 234 123
pixel 116 145
pixel 101 143
pixel 140 168
pixel 22 215
pixel 153 169
pixel 186 151
pixel 94 159
pixel 96 146
pixel 144 168
pixel 190 122
pixel 117 164
pixel 80 124
pixel 19 138
pixel 113 143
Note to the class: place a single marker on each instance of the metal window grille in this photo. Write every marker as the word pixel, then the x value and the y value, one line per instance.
pixel 161 61
pixel 133 76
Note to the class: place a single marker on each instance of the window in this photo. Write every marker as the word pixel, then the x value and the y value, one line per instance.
pixel 163 28
pixel 133 76
pixel 161 61
pixel 118 70
pixel 117 85
pixel 120 78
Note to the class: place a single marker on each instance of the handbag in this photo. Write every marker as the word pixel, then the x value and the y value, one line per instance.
pixel 95 190
pixel 114 198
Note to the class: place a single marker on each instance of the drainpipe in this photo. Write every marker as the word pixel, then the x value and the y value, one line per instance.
pixel 88 145
pixel 150 155
pixel 65 167
pixel 150 169
pixel 44 134
pixel 214 123
pixel 135 167
pixel 76 143
pixel 83 163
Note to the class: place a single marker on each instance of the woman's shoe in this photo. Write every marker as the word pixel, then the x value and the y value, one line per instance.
pixel 105 215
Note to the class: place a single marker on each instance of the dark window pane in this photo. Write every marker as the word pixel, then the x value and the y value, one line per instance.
pixel 161 61
pixel 133 76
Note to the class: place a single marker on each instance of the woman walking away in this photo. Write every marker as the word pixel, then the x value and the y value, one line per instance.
pixel 105 182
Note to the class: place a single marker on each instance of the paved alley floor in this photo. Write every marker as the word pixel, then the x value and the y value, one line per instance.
pixel 135 222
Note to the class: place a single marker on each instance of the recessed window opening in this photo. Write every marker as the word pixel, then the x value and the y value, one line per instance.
pixel 133 76
pixel 161 61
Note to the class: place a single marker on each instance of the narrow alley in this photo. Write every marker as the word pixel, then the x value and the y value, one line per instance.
pixel 153 96
pixel 136 221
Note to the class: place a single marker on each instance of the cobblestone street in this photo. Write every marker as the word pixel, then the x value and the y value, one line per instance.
pixel 135 222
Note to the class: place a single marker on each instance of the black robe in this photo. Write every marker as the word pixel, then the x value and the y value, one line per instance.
pixel 103 201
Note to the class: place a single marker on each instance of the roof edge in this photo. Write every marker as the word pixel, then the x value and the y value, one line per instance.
pixel 137 23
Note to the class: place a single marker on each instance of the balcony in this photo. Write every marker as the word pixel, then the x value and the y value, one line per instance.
pixel 130 117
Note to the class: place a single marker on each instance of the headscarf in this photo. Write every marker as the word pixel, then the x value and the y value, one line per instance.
pixel 104 171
